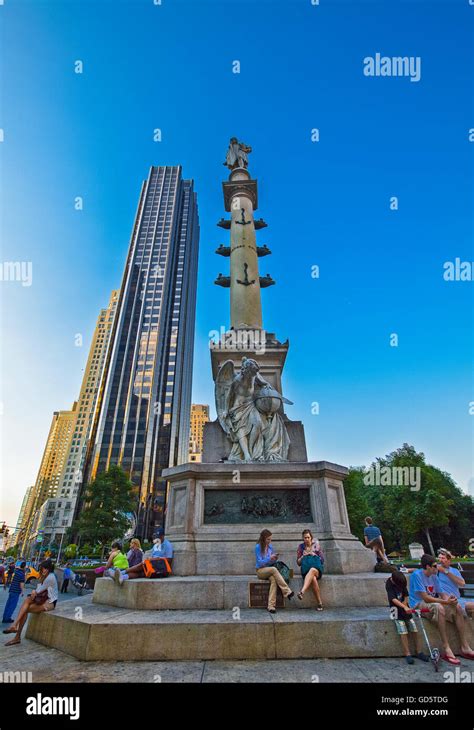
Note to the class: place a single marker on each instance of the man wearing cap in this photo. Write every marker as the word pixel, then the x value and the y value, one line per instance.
pixel 162 548
pixel 450 580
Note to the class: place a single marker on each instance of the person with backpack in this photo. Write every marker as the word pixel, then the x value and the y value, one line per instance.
pixel 265 559
pixel 310 558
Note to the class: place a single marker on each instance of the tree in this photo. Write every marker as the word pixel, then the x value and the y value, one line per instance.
pixel 70 551
pixel 356 500
pixel 108 500
pixel 86 550
pixel 405 512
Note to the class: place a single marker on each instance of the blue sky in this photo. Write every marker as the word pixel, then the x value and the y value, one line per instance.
pixel 148 66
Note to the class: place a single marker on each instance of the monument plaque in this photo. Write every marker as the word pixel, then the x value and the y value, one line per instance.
pixel 234 506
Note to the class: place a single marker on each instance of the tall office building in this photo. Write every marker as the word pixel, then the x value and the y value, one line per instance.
pixel 142 420
pixel 72 474
pixel 24 514
pixel 199 416
pixel 52 464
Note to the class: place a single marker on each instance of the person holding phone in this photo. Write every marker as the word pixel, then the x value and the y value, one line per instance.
pixel 310 558
pixel 265 558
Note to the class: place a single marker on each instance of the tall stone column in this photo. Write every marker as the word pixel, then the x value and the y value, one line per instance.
pixel 240 197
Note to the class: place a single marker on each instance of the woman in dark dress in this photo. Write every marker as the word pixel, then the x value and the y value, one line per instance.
pixel 311 560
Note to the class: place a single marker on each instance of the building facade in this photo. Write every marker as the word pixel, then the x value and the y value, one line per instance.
pixel 72 474
pixel 52 465
pixel 199 416
pixel 142 416
pixel 24 515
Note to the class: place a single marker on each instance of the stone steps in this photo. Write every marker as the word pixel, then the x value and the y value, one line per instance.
pixel 94 632
pixel 227 592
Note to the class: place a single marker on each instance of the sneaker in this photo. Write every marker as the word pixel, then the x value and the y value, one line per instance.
pixel 272 610
pixel 423 657
pixel 117 576
pixel 290 595
pixel 409 660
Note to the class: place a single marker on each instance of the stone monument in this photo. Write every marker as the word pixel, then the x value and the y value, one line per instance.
pixel 255 472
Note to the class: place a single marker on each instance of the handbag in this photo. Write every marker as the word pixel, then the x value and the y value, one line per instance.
pixel 311 561
pixel 283 569
pixel 156 568
pixel 40 598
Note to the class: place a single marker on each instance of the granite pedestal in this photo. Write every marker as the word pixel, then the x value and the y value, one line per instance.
pixel 217 511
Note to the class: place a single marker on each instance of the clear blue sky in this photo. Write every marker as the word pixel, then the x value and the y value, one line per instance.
pixel 326 203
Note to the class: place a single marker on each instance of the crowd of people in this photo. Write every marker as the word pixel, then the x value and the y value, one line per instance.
pixel 433 591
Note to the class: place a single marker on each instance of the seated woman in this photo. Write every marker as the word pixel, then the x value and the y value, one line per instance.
pixel 44 598
pixel 117 560
pixel 311 559
pixel 265 556
pixel 135 554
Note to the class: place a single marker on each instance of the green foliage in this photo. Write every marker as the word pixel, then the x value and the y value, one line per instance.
pixel 356 500
pixel 439 511
pixel 86 550
pixel 70 551
pixel 108 498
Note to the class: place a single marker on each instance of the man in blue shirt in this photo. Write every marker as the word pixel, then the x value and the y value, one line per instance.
pixel 15 591
pixel 450 580
pixel 425 594
pixel 161 548
pixel 67 575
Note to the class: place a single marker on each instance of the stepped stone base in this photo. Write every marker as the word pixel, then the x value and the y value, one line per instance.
pixel 103 633
pixel 227 592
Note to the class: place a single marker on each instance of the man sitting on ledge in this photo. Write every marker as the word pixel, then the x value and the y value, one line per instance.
pixel 161 549
pixel 426 594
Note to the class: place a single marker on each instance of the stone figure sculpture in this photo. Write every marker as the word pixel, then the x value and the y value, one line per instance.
pixel 237 154
pixel 248 411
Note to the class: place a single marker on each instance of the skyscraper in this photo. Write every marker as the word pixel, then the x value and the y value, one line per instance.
pixel 25 514
pixel 52 463
pixel 72 473
pixel 199 416
pixel 142 418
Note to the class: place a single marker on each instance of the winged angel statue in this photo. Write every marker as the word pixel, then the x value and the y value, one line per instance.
pixel 247 407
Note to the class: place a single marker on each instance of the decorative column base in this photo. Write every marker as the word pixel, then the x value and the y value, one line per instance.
pixel 217 511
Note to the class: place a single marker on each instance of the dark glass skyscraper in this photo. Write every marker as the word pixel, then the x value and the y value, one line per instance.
pixel 143 413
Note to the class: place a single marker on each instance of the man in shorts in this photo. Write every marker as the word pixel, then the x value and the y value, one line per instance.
pixel 450 581
pixel 425 594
